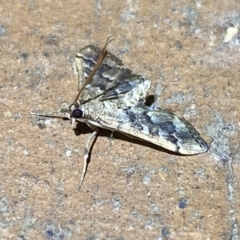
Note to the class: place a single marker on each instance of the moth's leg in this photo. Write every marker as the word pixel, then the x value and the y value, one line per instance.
pixel 111 134
pixel 87 150
pixel 111 138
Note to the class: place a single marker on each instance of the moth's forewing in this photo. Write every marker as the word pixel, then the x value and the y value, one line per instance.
pixel 159 127
pixel 110 80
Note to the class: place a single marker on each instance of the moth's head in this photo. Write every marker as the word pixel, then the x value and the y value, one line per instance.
pixel 73 113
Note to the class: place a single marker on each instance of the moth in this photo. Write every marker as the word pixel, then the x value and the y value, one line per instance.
pixel 112 97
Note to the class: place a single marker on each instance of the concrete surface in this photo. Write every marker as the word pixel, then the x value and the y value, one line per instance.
pixel 190 50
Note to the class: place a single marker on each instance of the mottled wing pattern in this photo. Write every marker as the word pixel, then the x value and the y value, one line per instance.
pixel 111 80
pixel 159 127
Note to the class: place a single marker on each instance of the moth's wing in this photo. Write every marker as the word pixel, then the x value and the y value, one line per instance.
pixel 111 79
pixel 160 127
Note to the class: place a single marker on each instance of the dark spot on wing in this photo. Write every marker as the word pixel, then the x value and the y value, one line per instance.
pixel 166 126
pixel 137 126
pixel 130 114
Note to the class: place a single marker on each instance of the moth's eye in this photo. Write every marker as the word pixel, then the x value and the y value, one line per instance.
pixel 77 113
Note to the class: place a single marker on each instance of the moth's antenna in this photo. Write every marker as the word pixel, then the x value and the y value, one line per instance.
pixel 63 112
pixel 46 115
pixel 97 65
